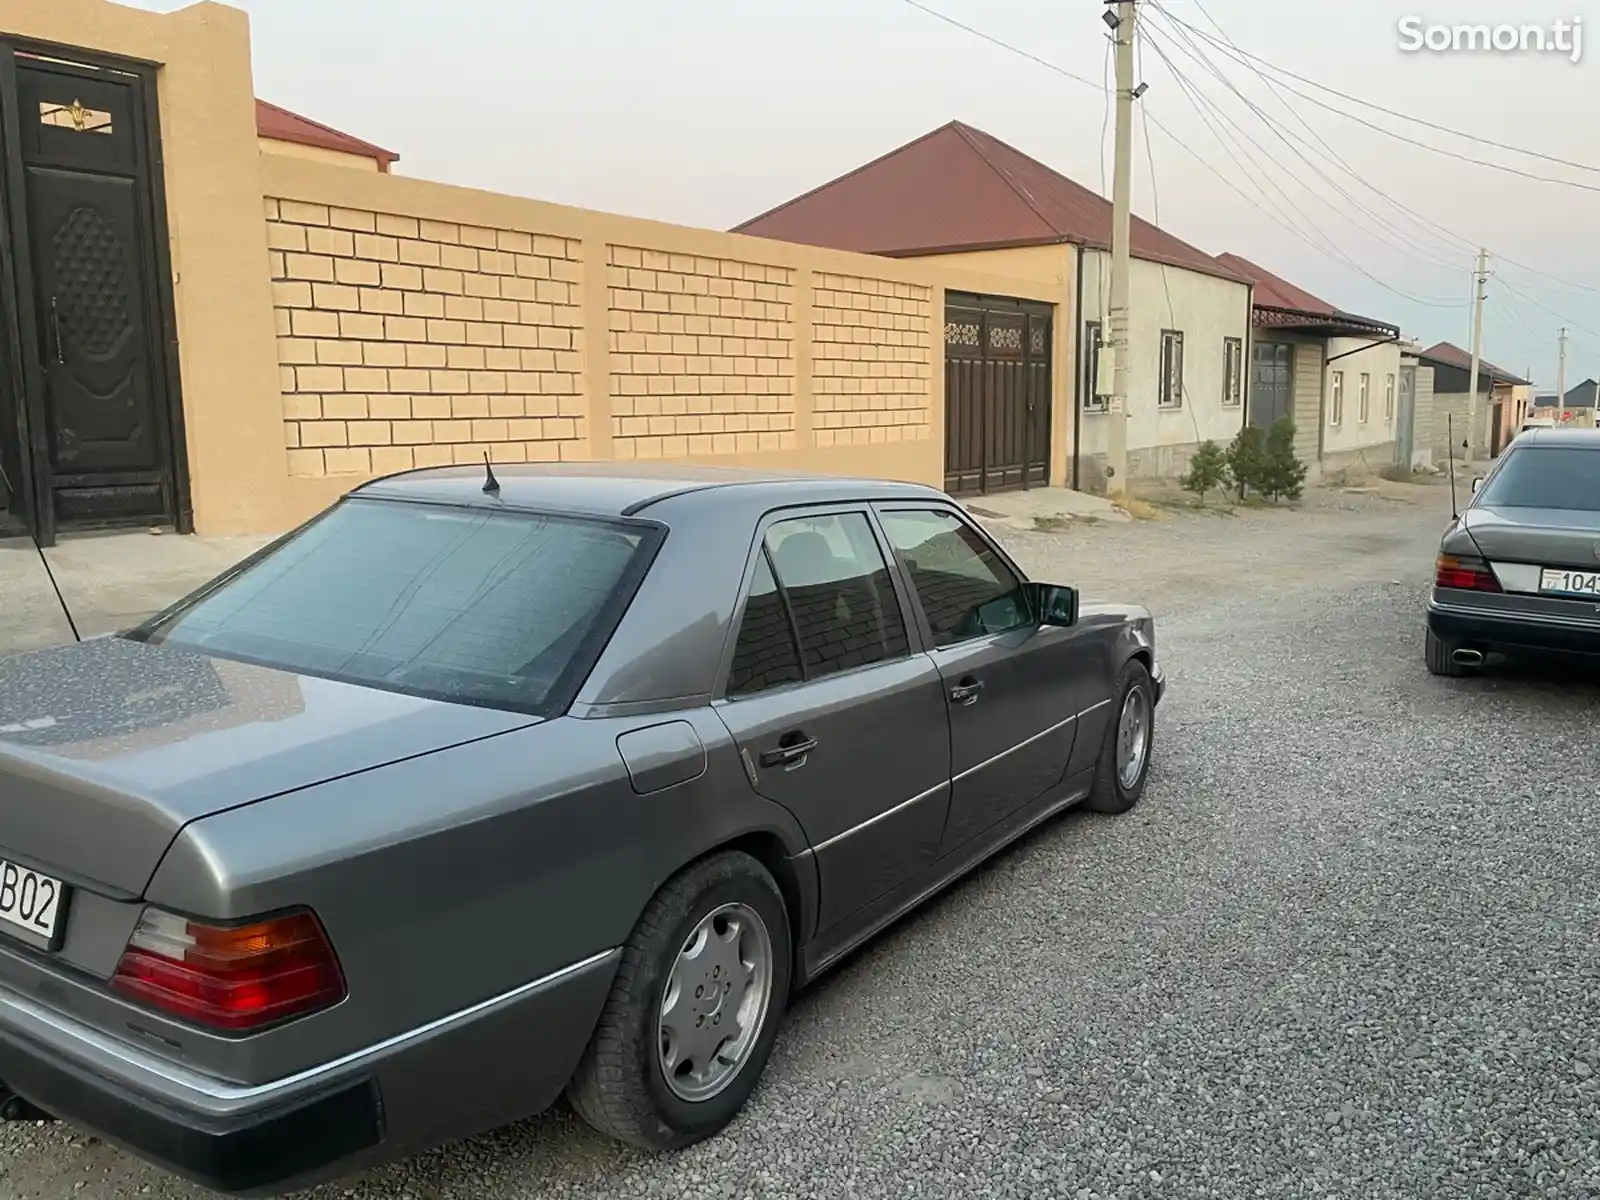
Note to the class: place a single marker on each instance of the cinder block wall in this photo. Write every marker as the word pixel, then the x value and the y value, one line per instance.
pixel 420 324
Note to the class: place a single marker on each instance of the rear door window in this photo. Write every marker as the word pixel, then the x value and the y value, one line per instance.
pixel 1546 477
pixel 821 602
pixel 463 604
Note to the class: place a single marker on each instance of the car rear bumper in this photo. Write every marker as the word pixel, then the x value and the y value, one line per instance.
pixel 449 1079
pixel 1504 631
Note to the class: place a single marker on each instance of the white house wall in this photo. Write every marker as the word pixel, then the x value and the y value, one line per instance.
pixel 1353 442
pixel 1205 309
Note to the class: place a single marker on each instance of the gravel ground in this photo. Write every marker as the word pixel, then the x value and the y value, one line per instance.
pixel 1345 948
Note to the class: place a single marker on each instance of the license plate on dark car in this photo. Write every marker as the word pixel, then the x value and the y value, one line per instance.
pixel 1570 583
pixel 29 902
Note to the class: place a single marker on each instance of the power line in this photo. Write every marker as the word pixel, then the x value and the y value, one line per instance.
pixel 1479 139
pixel 1250 60
pixel 1422 222
pixel 1199 56
pixel 1331 249
pixel 994 41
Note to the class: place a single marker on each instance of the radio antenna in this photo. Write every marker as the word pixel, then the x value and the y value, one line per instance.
pixel 491 485
pixel 45 562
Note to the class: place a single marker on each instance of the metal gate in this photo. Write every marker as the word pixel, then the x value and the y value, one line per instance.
pixel 1271 382
pixel 85 280
pixel 997 391
pixel 1405 418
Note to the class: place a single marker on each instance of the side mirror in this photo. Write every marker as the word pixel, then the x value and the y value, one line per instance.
pixel 1053 603
pixel 1477 485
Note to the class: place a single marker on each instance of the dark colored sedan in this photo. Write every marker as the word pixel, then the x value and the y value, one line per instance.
pixel 1519 570
pixel 470 792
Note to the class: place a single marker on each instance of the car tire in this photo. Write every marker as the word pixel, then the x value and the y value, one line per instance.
pixel 1116 791
pixel 623 1086
pixel 1440 655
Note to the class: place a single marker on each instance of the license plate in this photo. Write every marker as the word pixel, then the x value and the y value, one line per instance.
pixel 1570 583
pixel 29 901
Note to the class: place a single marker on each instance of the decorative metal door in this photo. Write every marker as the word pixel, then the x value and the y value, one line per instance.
pixel 997 395
pixel 84 202
pixel 1271 382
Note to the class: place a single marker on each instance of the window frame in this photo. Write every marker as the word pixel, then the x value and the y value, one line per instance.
pixel 1389 397
pixel 924 628
pixel 1173 338
pixel 1364 398
pixel 559 699
pixel 916 643
pixel 1336 399
pixel 1094 342
pixel 1232 372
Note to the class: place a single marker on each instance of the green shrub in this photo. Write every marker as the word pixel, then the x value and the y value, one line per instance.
pixel 1208 470
pixel 1247 457
pixel 1283 475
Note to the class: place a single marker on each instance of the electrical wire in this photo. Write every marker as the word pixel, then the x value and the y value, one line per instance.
pixel 1201 102
pixel 1235 51
pixel 1445 244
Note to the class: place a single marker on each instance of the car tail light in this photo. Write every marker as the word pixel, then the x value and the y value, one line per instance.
pixel 1472 574
pixel 230 978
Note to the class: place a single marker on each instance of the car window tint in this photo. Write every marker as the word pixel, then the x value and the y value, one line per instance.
pixel 839 590
pixel 455 603
pixel 1546 477
pixel 765 654
pixel 962 584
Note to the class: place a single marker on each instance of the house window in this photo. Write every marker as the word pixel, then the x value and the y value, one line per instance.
pixel 1171 394
pixel 1094 400
pixel 1232 372
pixel 1336 400
pixel 1388 397
pixel 1364 398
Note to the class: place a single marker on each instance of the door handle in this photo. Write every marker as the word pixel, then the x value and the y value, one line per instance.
pixel 966 692
pixel 55 330
pixel 791 751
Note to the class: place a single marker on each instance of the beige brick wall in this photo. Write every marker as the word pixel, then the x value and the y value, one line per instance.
pixel 872 363
pixel 702 354
pixel 407 343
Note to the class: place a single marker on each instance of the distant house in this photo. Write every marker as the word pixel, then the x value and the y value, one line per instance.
pixel 1338 375
pixel 1580 405
pixel 965 196
pixel 1504 400
pixel 280 131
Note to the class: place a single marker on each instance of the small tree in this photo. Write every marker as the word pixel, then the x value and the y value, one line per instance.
pixel 1283 474
pixel 1247 456
pixel 1208 470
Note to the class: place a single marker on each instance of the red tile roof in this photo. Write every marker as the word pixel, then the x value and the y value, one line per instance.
pixel 1454 356
pixel 1273 291
pixel 282 125
pixel 959 188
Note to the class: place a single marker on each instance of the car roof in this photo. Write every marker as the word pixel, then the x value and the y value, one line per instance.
pixel 1545 435
pixel 619 489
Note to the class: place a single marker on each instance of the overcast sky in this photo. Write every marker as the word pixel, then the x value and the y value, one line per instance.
pixel 706 112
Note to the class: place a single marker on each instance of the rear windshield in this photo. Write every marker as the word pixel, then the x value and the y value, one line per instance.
pixel 1546 477
pixel 460 604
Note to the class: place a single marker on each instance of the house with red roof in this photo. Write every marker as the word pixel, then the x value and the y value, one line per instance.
pixel 280 131
pixel 1343 378
pixel 962 195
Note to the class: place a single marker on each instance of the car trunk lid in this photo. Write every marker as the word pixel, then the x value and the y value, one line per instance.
pixel 107 749
pixel 1545 537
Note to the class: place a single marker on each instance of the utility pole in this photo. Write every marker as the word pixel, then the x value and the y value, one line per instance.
pixel 1480 278
pixel 1122 27
pixel 1561 370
